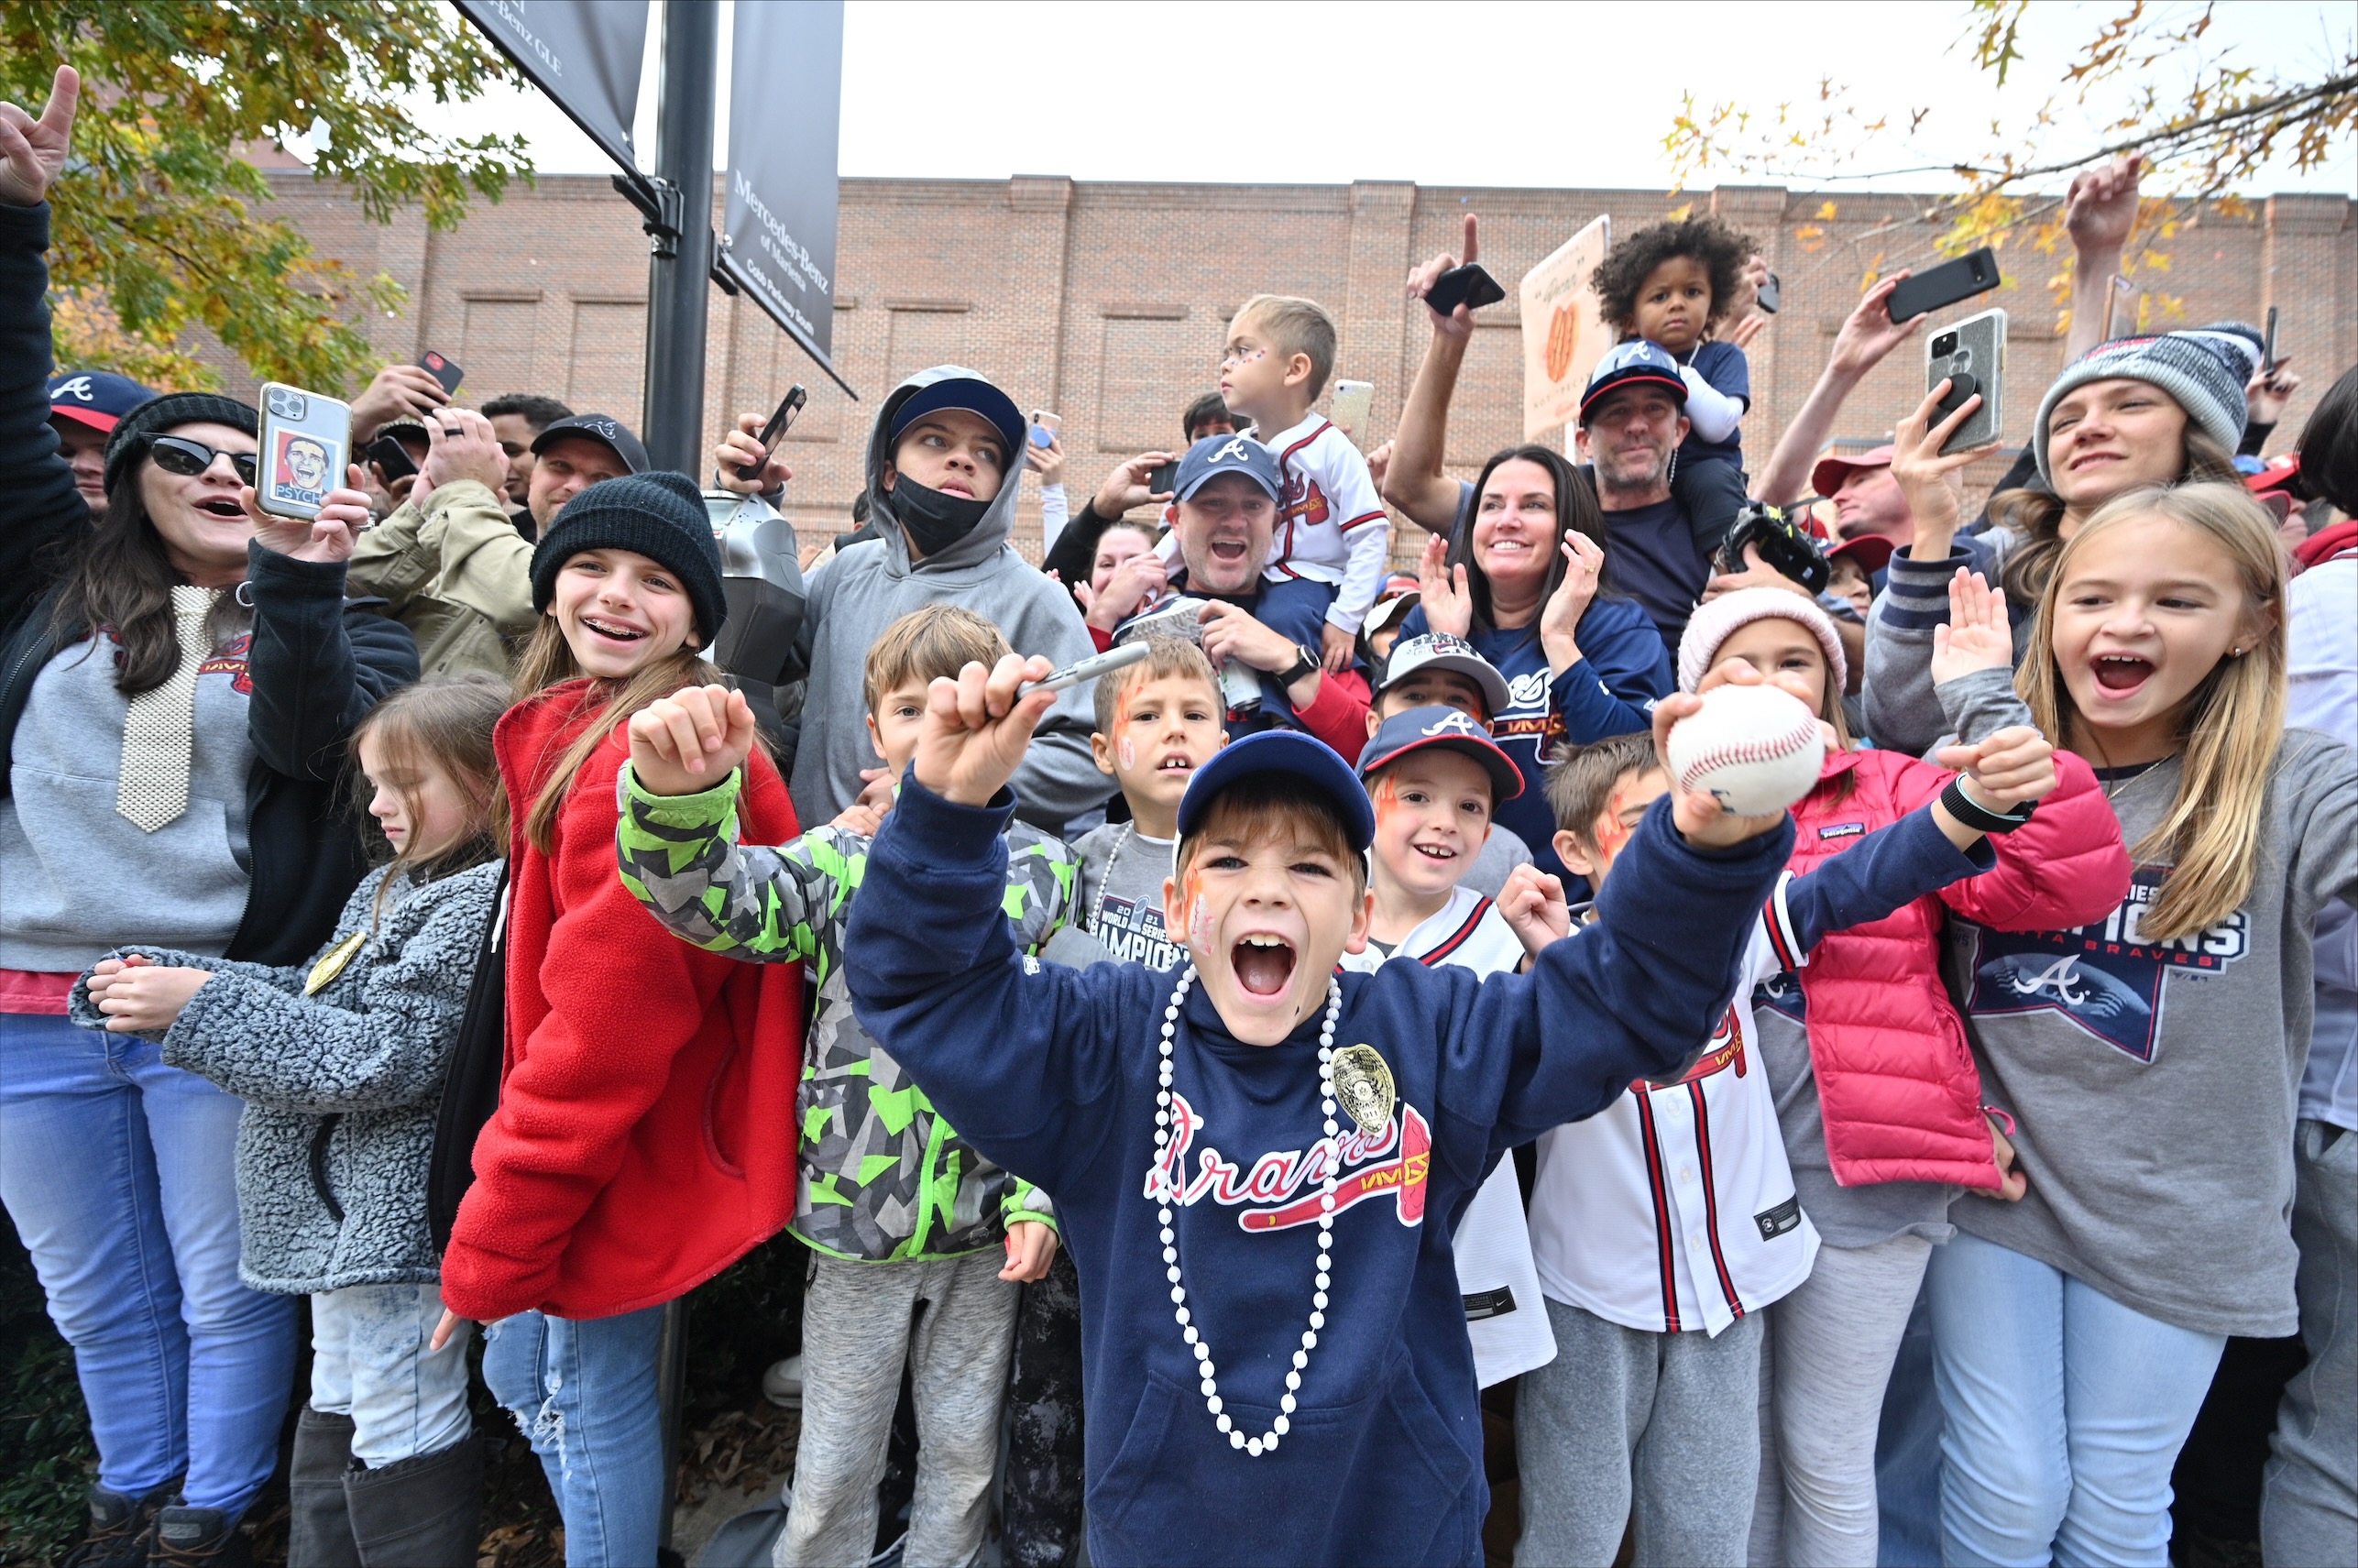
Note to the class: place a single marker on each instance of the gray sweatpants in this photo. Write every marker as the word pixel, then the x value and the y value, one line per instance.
pixel 1831 1342
pixel 855 1333
pixel 1670 1422
pixel 2310 1510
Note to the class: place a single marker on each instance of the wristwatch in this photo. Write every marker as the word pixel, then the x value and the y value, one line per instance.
pixel 1980 817
pixel 1304 663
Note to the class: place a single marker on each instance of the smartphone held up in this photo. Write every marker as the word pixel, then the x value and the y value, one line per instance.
pixel 306 438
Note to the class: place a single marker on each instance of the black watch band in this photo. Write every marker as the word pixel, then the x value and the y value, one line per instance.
pixel 1981 817
pixel 1304 663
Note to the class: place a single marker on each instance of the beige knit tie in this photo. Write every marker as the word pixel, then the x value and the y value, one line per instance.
pixel 159 727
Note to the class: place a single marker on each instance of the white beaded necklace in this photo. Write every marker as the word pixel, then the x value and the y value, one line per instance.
pixel 1268 1440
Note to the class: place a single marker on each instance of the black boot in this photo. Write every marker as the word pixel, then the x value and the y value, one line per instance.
pixel 319 1525
pixel 424 1513
pixel 198 1538
pixel 117 1537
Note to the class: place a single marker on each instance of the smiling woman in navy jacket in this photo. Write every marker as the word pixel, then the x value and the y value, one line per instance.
pixel 1259 1173
pixel 178 683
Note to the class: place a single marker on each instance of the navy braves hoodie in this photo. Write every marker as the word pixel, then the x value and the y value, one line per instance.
pixel 1052 1072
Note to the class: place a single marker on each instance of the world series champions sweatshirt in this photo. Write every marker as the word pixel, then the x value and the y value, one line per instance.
pixel 1052 1073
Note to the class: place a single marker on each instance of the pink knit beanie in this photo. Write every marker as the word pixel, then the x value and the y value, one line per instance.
pixel 1717 621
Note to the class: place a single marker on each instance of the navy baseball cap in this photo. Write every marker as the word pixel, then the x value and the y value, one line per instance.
pixel 1218 454
pixel 1637 363
pixel 605 430
pixel 1452 731
pixel 1441 651
pixel 1287 751
pixel 95 397
pixel 976 395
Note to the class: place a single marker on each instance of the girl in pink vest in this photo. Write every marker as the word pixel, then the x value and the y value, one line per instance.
pixel 1877 1096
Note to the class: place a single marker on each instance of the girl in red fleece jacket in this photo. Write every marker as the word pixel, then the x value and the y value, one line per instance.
pixel 1876 1090
pixel 644 1138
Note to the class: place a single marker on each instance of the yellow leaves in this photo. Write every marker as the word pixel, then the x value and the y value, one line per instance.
pixel 1874 273
pixel 2157 259
pixel 1679 213
pixel 1812 237
pixel 1826 212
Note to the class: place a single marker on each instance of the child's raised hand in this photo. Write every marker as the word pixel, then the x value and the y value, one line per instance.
pixel 2014 765
pixel 1699 818
pixel 977 727
pixel 1977 636
pixel 144 998
pixel 1441 590
pixel 1031 1247
pixel 1532 903
pixel 690 740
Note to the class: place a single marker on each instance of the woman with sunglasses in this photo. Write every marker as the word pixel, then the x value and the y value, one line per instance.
pixel 177 688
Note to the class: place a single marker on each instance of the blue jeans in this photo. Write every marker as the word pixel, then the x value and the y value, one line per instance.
pixel 1907 1454
pixel 584 1392
pixel 369 1361
pixel 2065 1411
pixel 119 1173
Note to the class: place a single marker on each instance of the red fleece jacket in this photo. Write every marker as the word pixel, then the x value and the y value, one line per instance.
pixel 645 1134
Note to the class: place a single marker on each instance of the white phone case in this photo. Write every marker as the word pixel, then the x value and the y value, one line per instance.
pixel 1353 402
pixel 306 444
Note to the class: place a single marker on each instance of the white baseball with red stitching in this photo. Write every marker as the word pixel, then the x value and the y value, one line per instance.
pixel 1755 749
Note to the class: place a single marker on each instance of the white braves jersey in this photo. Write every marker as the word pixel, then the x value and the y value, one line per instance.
pixel 1503 1315
pixel 1331 527
pixel 1673 1207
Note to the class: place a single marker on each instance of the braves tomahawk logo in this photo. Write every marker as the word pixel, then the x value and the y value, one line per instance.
pixel 2107 978
pixel 1394 1161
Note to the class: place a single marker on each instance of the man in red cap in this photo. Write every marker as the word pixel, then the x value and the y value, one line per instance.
pixel 1866 499
pixel 84 407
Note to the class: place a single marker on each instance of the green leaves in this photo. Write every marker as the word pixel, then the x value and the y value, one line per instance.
pixel 162 223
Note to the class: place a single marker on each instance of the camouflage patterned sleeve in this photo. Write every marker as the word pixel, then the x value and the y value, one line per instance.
pixel 681 860
pixel 1042 874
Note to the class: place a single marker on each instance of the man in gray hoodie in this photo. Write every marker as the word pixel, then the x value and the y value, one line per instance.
pixel 944 471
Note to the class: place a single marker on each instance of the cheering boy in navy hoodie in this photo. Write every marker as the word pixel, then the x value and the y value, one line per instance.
pixel 1245 1157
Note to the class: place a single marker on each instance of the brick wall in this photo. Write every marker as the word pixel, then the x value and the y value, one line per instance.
pixel 1109 302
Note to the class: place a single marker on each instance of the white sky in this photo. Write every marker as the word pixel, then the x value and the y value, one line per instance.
pixel 1456 93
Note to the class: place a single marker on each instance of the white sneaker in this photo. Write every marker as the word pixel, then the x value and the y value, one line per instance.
pixel 783 1383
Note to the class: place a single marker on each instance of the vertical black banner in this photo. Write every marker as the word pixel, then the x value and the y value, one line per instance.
pixel 785 98
pixel 584 54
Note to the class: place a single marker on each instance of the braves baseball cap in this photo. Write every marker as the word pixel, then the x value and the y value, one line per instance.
pixel 1445 727
pixel 1294 754
pixel 1441 651
pixel 1637 363
pixel 605 430
pixel 95 397
pixel 976 395
pixel 1834 468
pixel 1218 454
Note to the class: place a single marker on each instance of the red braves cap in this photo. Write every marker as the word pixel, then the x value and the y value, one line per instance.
pixel 1834 468
pixel 1871 551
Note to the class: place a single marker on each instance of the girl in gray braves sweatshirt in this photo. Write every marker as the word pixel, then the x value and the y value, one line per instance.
pixel 340 1062
pixel 2151 1059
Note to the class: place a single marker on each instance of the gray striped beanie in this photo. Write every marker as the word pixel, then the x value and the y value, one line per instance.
pixel 2204 371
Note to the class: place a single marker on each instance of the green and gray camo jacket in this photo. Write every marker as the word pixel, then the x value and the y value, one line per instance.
pixel 882 1177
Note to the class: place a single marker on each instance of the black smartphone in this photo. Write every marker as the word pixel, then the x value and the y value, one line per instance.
pixel 444 371
pixel 780 422
pixel 1946 284
pixel 391 456
pixel 2269 344
pixel 1770 293
pixel 1469 285
pixel 1162 478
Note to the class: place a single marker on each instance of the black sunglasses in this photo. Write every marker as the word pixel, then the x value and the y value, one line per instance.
pixel 178 454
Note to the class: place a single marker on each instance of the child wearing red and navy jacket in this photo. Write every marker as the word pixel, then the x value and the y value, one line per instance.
pixel 1245 1159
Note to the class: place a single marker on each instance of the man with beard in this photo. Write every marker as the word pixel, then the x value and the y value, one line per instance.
pixel 1632 418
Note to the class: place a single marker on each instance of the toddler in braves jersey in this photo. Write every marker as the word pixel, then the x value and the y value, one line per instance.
pixel 1435 777
pixel 1245 1156
pixel 1157 721
pixel 1326 560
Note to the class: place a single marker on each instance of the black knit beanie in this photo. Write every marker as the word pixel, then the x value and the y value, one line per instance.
pixel 659 515
pixel 138 429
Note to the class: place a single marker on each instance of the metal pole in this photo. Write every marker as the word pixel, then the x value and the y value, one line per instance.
pixel 680 266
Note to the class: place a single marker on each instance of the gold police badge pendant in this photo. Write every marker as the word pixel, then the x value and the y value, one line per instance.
pixel 1363 1084
pixel 332 964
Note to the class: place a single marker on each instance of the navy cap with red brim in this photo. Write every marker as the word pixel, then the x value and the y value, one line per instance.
pixel 1415 729
pixel 1293 754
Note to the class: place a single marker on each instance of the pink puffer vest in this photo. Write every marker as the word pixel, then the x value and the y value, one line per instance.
pixel 1895 1077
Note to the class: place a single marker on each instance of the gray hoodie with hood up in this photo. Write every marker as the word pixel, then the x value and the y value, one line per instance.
pixel 865 588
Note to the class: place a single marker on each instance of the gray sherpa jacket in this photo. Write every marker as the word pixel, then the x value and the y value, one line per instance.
pixel 341 1087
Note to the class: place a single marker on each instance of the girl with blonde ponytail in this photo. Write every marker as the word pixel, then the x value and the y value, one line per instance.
pixel 2151 1059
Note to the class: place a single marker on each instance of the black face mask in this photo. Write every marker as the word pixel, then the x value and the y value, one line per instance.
pixel 933 520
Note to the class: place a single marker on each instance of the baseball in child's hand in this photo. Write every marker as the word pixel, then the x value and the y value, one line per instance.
pixel 690 740
pixel 1697 814
pixel 977 727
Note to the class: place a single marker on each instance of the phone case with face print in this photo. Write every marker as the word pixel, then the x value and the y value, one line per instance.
pixel 306 440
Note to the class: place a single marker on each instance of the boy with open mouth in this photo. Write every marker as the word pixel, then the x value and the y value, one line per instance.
pixel 1244 1157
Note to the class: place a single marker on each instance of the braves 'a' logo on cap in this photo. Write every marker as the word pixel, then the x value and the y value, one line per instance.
pixel 1231 451
pixel 605 427
pixel 77 387
pixel 1455 724
pixel 1449 643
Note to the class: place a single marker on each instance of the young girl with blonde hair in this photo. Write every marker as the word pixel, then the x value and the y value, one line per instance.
pixel 2150 1058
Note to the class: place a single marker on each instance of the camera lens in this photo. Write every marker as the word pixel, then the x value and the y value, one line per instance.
pixel 1945 344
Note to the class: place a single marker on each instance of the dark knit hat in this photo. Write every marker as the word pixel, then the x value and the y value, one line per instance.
pixel 137 430
pixel 659 515
pixel 2204 370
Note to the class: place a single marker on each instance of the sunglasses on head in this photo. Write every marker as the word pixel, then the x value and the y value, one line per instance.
pixel 178 454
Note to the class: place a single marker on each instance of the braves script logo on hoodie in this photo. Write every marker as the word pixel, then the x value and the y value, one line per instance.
pixel 2107 978
pixel 1391 1162
pixel 230 659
